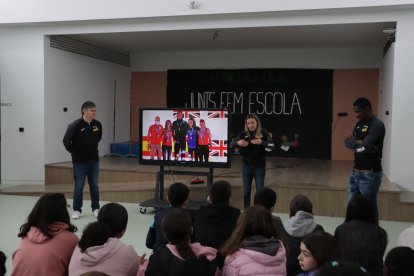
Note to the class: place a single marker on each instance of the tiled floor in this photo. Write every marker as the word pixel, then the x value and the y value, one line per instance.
pixel 14 211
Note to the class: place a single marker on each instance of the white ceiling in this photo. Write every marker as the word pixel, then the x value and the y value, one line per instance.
pixel 315 36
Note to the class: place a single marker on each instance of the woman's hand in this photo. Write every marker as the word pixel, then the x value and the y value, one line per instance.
pixel 242 143
pixel 256 141
pixel 142 259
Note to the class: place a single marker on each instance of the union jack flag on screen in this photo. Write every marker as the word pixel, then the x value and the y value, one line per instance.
pixel 218 148
pixel 217 114
pixel 188 114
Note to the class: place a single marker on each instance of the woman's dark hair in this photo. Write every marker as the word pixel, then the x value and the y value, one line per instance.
pixel 49 209
pixel 400 261
pixel 342 268
pixel 322 246
pixel 360 208
pixel 94 234
pixel 166 124
pixel 3 259
pixel 254 220
pixel 177 226
pixel 115 216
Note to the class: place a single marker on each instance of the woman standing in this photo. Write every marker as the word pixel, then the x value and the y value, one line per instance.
pixel 167 139
pixel 253 142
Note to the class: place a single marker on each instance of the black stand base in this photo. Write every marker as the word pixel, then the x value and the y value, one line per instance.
pixel 158 201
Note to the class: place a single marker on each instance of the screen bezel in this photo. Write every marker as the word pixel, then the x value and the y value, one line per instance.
pixel 141 132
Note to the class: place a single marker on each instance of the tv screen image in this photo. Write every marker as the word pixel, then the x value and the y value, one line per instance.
pixel 187 137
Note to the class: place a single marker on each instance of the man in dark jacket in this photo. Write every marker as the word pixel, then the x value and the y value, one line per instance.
pixel 366 142
pixel 81 140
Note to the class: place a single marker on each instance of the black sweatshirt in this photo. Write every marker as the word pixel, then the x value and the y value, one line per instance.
pixel 81 140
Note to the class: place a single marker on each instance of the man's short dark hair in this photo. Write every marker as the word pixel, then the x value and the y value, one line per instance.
pixel 178 194
pixel 265 197
pixel 362 102
pixel 300 203
pixel 220 192
pixel 87 104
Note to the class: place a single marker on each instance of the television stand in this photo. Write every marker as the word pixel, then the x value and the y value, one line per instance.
pixel 158 201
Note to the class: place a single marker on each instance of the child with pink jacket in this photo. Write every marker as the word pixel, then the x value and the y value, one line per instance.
pixel 48 239
pixel 254 248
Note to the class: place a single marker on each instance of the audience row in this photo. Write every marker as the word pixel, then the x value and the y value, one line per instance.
pixel 216 239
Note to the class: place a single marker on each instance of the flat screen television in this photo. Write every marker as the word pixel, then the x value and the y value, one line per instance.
pixel 184 137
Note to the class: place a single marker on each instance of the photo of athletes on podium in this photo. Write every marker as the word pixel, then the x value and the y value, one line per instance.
pixel 190 142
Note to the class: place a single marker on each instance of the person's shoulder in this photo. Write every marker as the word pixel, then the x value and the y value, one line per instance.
pixel 265 132
pixel 378 122
pixel 234 210
pixel 96 122
pixel 67 237
pixel 76 122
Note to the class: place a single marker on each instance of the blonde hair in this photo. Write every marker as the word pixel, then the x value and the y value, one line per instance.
pixel 258 132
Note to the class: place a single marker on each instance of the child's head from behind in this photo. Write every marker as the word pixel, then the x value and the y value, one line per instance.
pixel 178 194
pixel 115 216
pixel 361 208
pixel 265 197
pixel 252 221
pixel 400 261
pixel 300 203
pixel 177 226
pixel 220 193
pixel 49 209
pixel 316 249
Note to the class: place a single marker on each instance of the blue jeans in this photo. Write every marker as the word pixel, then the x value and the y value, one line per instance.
pixel 366 184
pixel 249 172
pixel 81 170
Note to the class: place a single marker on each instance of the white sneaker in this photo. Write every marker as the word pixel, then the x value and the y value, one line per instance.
pixel 95 213
pixel 76 215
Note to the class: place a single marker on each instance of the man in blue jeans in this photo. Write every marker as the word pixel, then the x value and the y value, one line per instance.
pixel 81 140
pixel 367 142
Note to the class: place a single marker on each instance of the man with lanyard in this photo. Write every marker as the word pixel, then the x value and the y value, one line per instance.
pixel 367 143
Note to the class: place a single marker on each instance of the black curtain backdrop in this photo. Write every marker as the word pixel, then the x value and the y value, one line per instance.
pixel 295 105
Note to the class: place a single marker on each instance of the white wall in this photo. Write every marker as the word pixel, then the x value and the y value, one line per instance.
pixel 21 70
pixel 338 58
pixel 402 146
pixel 23 73
pixel 385 104
pixel 51 10
pixel 72 79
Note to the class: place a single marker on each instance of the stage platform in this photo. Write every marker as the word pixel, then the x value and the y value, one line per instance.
pixel 323 181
